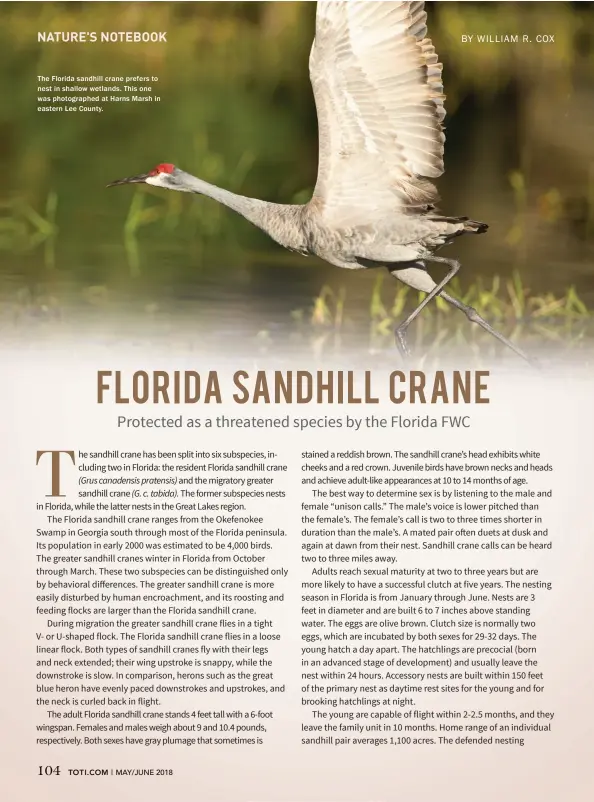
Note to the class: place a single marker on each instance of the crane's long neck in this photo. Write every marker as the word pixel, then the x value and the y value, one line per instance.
pixel 280 221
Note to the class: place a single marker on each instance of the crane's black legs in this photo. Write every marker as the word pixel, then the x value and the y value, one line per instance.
pixel 471 314
pixel 401 329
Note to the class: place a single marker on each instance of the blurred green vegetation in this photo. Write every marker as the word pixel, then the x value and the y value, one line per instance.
pixel 237 110
pixel 509 306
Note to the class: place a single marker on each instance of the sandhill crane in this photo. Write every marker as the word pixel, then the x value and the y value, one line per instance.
pixel 379 97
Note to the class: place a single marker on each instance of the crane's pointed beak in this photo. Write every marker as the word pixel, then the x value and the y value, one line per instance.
pixel 135 179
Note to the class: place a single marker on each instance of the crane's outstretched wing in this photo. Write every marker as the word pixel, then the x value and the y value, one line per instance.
pixel 379 98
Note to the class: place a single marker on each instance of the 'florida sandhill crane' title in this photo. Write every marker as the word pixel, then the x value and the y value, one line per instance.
pixel 380 104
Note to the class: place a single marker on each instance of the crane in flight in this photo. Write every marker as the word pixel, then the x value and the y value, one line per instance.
pixel 378 90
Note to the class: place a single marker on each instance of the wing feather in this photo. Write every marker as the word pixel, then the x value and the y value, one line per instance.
pixel 379 97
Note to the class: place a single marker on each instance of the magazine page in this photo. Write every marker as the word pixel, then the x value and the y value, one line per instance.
pixel 296 356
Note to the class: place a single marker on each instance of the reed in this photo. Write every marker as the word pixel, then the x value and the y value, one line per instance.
pixel 508 304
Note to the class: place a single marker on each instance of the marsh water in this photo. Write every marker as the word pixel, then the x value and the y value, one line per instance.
pixel 236 109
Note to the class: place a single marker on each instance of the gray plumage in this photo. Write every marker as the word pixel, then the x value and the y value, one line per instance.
pixel 379 98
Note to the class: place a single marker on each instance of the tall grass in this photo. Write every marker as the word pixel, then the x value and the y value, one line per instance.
pixel 509 305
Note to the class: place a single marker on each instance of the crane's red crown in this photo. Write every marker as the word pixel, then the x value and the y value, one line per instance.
pixel 162 168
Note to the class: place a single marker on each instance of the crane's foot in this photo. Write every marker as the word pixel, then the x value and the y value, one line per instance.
pixel 474 317
pixel 402 341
